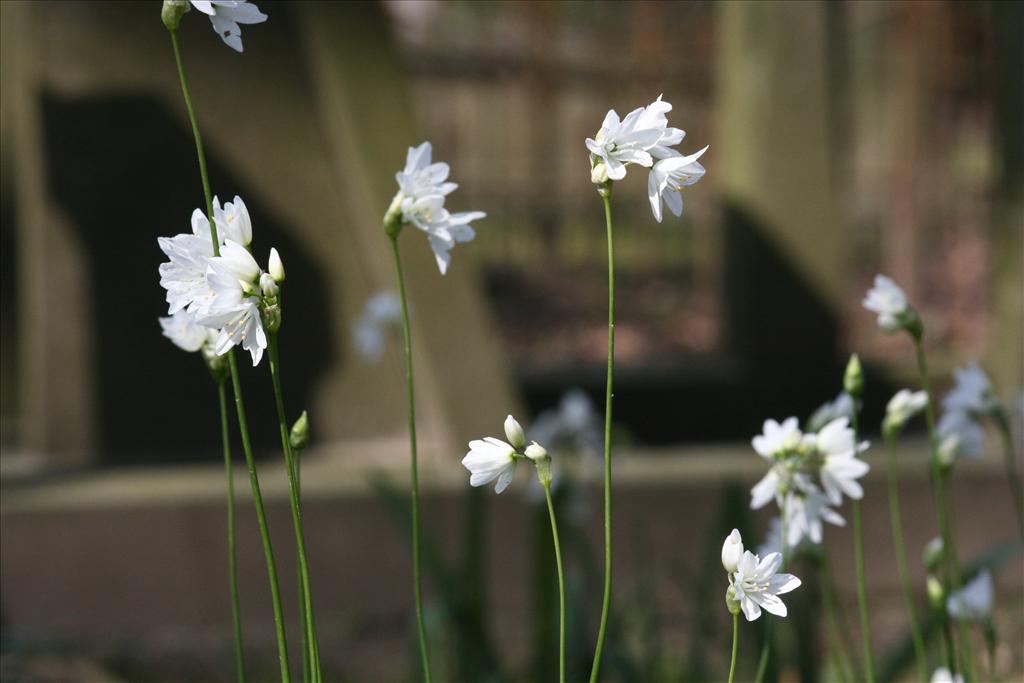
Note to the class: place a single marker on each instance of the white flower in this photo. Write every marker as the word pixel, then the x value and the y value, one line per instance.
pixel 972 392
pixel 974 600
pixel 959 436
pixel 944 675
pixel 420 201
pixel 889 302
pixel 840 406
pixel 226 15
pixel 732 551
pixel 234 279
pixel 182 329
pixel 778 438
pixel 184 275
pixel 275 266
pixel 514 433
pixel 668 177
pixel 770 486
pixel 636 139
pixel 233 221
pixel 758 585
pixel 841 468
pixel 903 406
pixel 805 511
pixel 488 460
pixel 382 312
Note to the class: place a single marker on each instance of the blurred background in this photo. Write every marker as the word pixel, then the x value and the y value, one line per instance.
pixel 846 139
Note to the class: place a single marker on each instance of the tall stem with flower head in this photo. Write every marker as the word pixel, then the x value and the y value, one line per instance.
pixel 236 616
pixel 605 190
pixel 413 466
pixel 243 427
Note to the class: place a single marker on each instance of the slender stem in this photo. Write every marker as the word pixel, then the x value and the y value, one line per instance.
pixel 766 648
pixel 858 553
pixel 1010 462
pixel 236 616
pixel 735 645
pixel 561 585
pixel 305 595
pixel 243 427
pixel 607 595
pixel 895 517
pixel 307 660
pixel 828 601
pixel 413 469
pixel 950 562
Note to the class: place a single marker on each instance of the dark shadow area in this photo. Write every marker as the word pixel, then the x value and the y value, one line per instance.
pixel 124 171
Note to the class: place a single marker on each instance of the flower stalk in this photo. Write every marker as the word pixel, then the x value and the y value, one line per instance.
pixel 243 427
pixel 236 616
pixel 735 644
pixel 413 466
pixel 546 483
pixel 605 190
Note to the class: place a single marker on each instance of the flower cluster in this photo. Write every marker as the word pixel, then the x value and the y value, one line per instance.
pixel 644 138
pixel 971 399
pixel 422 190
pixel 809 474
pixel 754 583
pixel 229 295
pixel 492 459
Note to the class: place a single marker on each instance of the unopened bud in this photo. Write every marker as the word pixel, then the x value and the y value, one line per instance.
pixel 536 452
pixel 731 602
pixel 515 434
pixel 853 380
pixel 271 314
pixel 299 436
pixel 599 173
pixel 732 551
pixel 172 12
pixel 276 267
pixel 936 593
pixel 393 217
pixel 269 286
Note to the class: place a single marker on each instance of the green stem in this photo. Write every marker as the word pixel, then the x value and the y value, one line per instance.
pixel 735 645
pixel 858 552
pixel 305 594
pixel 307 669
pixel 236 615
pixel 1010 462
pixel 605 193
pixel 899 548
pixel 413 469
pixel 950 563
pixel 561 584
pixel 828 601
pixel 243 427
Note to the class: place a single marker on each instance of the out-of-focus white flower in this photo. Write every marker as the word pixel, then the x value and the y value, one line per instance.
pixel 840 406
pixel 758 585
pixel 841 468
pixel 182 329
pixel 226 15
pixel 944 675
pixel 903 406
pixel 514 433
pixel 932 554
pixel 972 392
pixel 889 302
pixel 732 551
pixel 805 511
pixel 668 177
pixel 959 437
pixel 488 460
pixel 974 600
pixel 637 139
pixel 772 542
pixel 233 221
pixel 420 201
pixel 574 425
pixel 778 438
pixel 184 275
pixel 382 313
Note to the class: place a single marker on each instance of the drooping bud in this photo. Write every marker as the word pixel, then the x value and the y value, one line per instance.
pixel 515 434
pixel 299 436
pixel 853 380
pixel 732 551
pixel 172 11
pixel 276 267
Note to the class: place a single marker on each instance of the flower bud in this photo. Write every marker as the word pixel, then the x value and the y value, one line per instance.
pixel 599 173
pixel 731 602
pixel 271 314
pixel 853 380
pixel 172 12
pixel 393 217
pixel 933 553
pixel 276 268
pixel 536 452
pixel 732 551
pixel 268 286
pixel 936 593
pixel 299 436
pixel 514 432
